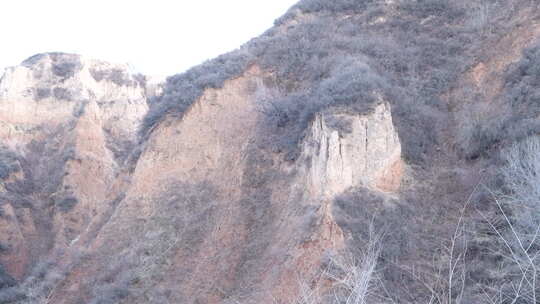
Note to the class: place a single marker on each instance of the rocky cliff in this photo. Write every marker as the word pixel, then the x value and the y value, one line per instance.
pixel 68 124
pixel 354 151
pixel 203 199
pixel 212 204
pixel 367 154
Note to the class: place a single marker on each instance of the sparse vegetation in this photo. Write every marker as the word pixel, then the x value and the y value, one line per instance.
pixel 42 93
pixel 66 204
pixel 183 215
pixel 116 76
pixel 348 6
pixel 522 96
pixel 411 58
pixel 61 93
pixel 8 162
pixel 182 90
pixel 66 69
pixel 519 229
pixel 355 278
pixel 351 277
pixel 440 247
pixel 40 283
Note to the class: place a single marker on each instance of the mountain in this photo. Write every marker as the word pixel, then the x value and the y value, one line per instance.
pixel 360 151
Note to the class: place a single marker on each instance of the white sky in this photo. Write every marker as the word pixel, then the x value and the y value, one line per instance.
pixel 157 37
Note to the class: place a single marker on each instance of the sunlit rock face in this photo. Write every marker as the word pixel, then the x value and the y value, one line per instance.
pixel 72 183
pixel 247 176
pixel 69 123
pixel 345 150
pixel 51 89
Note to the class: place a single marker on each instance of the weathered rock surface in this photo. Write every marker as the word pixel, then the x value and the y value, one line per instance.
pixel 70 122
pixel 252 169
pixel 218 217
pixel 364 152
pixel 198 209
pixel 51 89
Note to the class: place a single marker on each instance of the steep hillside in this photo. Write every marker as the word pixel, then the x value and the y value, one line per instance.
pixel 68 125
pixel 357 152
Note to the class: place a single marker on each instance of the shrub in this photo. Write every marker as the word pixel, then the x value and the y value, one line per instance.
pixel 65 69
pixel 66 204
pixel 61 93
pixel 141 79
pixel 119 78
pixel 515 117
pixel 183 214
pixel 182 90
pixel 351 278
pixel 110 294
pixel 355 277
pixel 42 93
pixel 330 61
pixel 428 8
pixel 522 176
pixel 351 6
pixel 4 247
pixel 98 75
pixel 79 108
pixel 8 162
pixel 513 225
pixel 326 62
pixel 116 76
pixel 521 83
pixel 5 279
pixel 11 295
pixel 353 86
pixel 40 283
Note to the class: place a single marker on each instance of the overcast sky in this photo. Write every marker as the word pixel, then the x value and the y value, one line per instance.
pixel 157 37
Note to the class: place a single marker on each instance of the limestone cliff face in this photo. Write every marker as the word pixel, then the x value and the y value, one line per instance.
pixel 69 122
pixel 364 152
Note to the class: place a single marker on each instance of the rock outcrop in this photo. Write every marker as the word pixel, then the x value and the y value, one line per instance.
pixel 48 90
pixel 345 150
pixel 70 123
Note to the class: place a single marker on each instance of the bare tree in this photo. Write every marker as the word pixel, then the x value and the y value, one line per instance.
pixel 445 282
pixel 353 278
pixel 519 207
